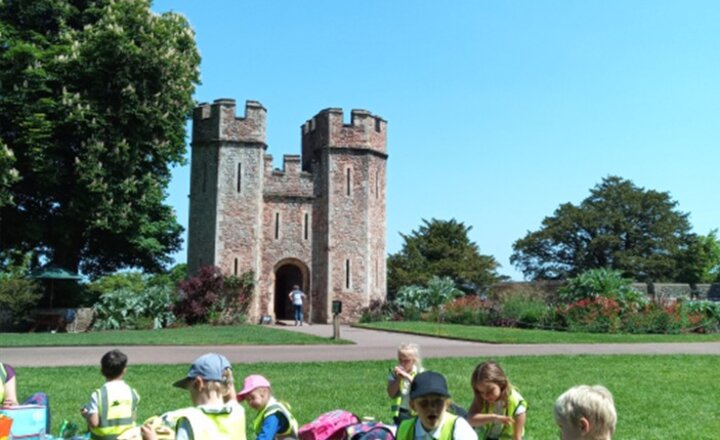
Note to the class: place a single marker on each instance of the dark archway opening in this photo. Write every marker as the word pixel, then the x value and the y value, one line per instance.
pixel 285 278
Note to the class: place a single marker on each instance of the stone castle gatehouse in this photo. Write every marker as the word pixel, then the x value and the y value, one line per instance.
pixel 319 222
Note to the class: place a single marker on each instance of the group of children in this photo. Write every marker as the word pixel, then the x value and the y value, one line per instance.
pixel 421 405
pixel 423 410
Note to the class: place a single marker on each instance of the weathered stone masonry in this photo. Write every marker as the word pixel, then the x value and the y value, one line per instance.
pixel 319 222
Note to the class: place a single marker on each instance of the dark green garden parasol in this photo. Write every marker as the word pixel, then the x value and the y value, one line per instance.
pixel 52 273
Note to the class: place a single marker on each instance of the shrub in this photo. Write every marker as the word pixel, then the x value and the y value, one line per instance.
pixel 468 310
pixel 594 315
pixel 19 296
pixel 414 300
pixel 209 297
pixel 524 310
pixel 126 309
pixel 605 283
pixel 379 310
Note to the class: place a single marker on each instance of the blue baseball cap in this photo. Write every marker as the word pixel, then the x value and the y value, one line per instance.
pixel 210 366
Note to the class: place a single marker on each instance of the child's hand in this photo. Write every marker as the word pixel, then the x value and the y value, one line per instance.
pixel 148 432
pixel 400 372
pixel 505 420
pixel 7 403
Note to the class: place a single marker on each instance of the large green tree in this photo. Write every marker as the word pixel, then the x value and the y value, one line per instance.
pixel 440 248
pixel 619 226
pixel 700 263
pixel 94 97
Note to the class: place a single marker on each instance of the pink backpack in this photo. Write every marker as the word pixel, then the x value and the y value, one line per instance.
pixel 330 425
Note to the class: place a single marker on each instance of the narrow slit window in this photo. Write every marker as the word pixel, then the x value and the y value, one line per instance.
pixel 239 176
pixel 377 282
pixel 236 267
pixel 347 274
pixel 204 177
pixel 347 180
pixel 306 226
pixel 277 225
pixel 377 184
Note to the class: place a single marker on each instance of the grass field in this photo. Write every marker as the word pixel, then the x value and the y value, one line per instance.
pixel 657 397
pixel 504 335
pixel 197 335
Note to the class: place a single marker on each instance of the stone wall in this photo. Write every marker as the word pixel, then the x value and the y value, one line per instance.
pixel 548 289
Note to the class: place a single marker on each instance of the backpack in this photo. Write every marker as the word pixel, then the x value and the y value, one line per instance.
pixel 329 425
pixel 369 431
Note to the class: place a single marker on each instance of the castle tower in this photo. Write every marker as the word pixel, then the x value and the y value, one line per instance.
pixel 348 164
pixel 225 187
pixel 318 222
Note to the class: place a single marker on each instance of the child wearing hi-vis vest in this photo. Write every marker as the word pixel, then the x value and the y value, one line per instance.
pixel 430 399
pixel 399 379
pixel 497 410
pixel 217 415
pixel 273 420
pixel 112 408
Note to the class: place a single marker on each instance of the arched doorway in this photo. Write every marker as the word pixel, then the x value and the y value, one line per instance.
pixel 286 276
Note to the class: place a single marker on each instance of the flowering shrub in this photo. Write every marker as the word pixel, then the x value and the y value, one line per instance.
pixel 602 282
pixel 595 315
pixel 209 297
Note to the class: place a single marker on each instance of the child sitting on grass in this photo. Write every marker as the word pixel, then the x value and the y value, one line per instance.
pixel 586 412
pixel 216 415
pixel 112 408
pixel 497 410
pixel 430 399
pixel 399 379
pixel 273 420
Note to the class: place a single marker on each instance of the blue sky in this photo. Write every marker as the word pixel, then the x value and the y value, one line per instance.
pixel 498 111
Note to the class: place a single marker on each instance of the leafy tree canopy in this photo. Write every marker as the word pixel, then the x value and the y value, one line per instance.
pixel 440 248
pixel 94 95
pixel 701 262
pixel 619 226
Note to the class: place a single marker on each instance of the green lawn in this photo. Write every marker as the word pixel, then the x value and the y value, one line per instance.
pixel 657 397
pixel 504 335
pixel 198 335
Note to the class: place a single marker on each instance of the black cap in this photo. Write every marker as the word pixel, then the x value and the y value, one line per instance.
pixel 428 382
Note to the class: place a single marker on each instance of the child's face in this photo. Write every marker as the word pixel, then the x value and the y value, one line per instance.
pixel 406 361
pixel 258 398
pixel 430 409
pixel 490 392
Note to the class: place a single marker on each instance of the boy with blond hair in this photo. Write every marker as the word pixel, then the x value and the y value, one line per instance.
pixel 586 412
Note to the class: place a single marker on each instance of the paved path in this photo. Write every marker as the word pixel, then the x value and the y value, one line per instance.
pixel 369 345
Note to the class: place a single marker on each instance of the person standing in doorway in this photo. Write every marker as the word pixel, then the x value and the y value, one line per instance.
pixel 297 296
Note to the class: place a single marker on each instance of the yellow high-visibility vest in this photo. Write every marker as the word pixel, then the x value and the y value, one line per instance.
pixel 273 406
pixel 117 405
pixel 406 430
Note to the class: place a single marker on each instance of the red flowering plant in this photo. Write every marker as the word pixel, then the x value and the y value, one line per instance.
pixel 211 297
pixel 595 315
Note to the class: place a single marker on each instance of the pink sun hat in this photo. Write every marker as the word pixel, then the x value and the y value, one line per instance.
pixel 252 382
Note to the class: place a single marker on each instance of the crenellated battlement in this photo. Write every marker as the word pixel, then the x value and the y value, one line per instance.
pixel 218 122
pixel 328 130
pixel 290 181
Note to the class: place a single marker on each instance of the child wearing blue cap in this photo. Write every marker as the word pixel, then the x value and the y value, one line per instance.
pixel 217 414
